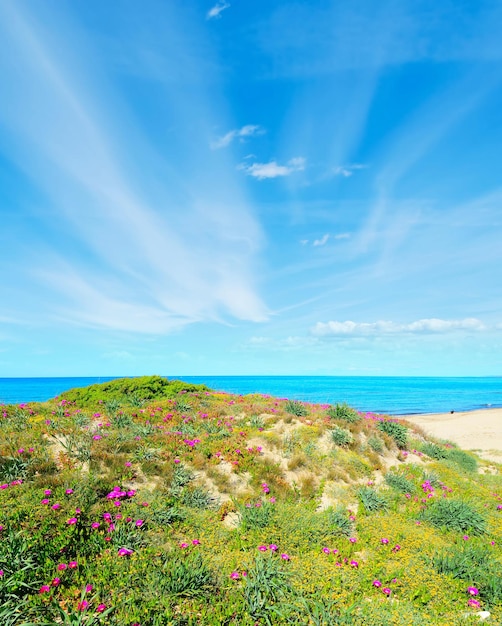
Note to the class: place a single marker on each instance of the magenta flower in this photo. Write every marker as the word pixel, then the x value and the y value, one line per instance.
pixel 396 548
pixel 81 606
pixel 262 548
pixel 124 552
pixel 69 492
pixel 387 591
pixel 285 556
pixel 384 540
pixel 55 582
pixel 73 564
pixel 377 583
pixel 95 525
pixel 44 589
pixel 62 567
pixel 72 521
pixel 354 563
pixel 353 540
pixel 235 575
pixel 473 591
pixel 100 608
pixel 44 501
pixel 183 545
pixel 326 551
pixel 474 603
pixel 88 588
pixel 56 506
pixel 465 537
pixel 195 542
pixel 139 523
pixel 47 492
pixel 272 547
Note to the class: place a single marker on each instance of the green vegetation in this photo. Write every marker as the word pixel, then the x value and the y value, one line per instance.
pixel 156 503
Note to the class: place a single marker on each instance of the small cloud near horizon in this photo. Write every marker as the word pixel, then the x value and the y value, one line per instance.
pixel 432 325
pixel 250 130
pixel 322 241
pixel 215 12
pixel 261 171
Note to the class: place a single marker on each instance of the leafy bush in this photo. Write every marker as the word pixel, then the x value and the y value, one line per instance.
pixel 166 516
pixel 199 498
pixel 344 412
pixel 296 408
pixel 397 431
pixel 463 459
pixel 126 389
pixel 455 515
pixel 376 444
pixel 267 585
pixel 186 575
pixel 434 451
pixel 339 522
pixel 257 515
pixel 399 482
pixel 341 436
pixel 371 500
pixel 12 468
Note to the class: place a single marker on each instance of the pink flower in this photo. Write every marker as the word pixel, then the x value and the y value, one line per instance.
pixel 139 523
pixel 285 556
pixel 354 564
pixel 56 506
pixel 100 608
pixel 73 564
pixel 81 606
pixel 262 548
pixel 396 548
pixel 72 521
pixel 69 492
pixel 44 589
pixel 384 540
pixel 62 567
pixel 387 591
pixel 195 542
pixel 353 540
pixel 55 582
pixel 326 551
pixel 95 525
pixel 377 583
pixel 47 492
pixel 272 547
pixel 474 603
pixel 44 501
pixel 473 591
pixel 465 537
pixel 88 588
pixel 235 575
pixel 183 545
pixel 124 552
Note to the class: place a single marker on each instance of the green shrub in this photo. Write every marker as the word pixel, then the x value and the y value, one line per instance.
pixel 455 515
pixel 341 436
pixel 185 575
pixel 376 444
pixel 397 431
pixel 255 515
pixel 463 459
pixel 371 500
pixel 199 498
pixel 399 482
pixel 296 408
pixel 339 522
pixel 344 412
pixel 434 451
pixel 266 587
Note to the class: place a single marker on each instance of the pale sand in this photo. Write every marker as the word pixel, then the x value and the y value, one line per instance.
pixel 480 431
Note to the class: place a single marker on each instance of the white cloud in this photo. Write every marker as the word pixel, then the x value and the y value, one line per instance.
pixel 273 169
pixel 249 130
pixel 342 236
pixel 321 242
pixel 348 170
pixel 432 325
pixel 215 11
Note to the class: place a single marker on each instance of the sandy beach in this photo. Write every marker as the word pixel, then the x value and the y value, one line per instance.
pixel 479 431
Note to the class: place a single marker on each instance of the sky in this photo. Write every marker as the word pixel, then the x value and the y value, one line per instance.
pixel 229 187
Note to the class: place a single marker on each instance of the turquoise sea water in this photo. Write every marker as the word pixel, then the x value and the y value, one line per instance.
pixel 398 395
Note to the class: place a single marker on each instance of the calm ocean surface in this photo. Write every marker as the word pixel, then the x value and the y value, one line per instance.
pixel 398 395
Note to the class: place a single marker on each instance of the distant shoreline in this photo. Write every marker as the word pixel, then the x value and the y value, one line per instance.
pixel 479 430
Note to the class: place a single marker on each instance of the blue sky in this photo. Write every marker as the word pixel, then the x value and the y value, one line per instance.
pixel 250 187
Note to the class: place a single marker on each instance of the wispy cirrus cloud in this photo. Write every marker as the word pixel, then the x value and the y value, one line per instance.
pixel 272 169
pixel 250 130
pixel 423 326
pixel 215 11
pixel 348 170
pixel 322 241
pixel 135 256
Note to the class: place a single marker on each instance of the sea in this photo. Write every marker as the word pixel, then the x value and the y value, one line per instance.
pixel 390 395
